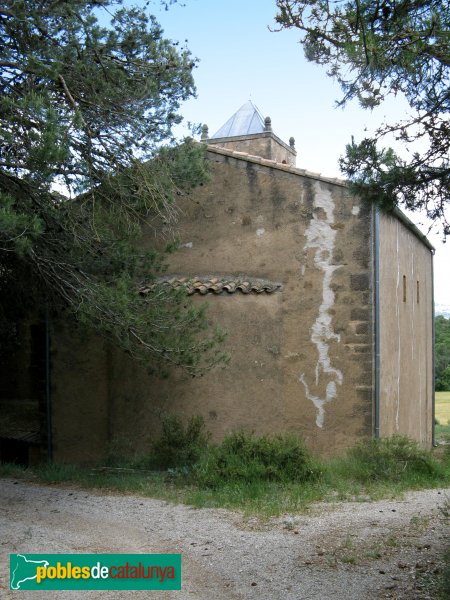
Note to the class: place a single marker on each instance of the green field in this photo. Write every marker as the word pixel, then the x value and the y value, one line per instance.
pixel 442 411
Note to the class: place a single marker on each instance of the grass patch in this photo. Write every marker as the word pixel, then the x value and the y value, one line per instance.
pixel 267 475
pixel 442 433
pixel 265 499
pixel 442 407
pixel 442 416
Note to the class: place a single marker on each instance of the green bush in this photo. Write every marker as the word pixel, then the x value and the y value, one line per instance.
pixel 243 457
pixel 391 459
pixel 178 446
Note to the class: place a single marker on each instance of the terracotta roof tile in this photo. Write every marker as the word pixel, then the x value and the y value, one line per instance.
pixel 206 284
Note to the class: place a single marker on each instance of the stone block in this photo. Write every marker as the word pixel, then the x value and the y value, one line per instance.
pixel 364 393
pixel 359 281
pixel 362 256
pixel 359 348
pixel 362 328
pixel 360 314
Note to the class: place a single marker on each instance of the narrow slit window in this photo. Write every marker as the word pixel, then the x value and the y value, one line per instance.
pixel 418 292
pixel 404 288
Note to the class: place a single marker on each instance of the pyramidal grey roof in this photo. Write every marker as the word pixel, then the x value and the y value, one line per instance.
pixel 245 121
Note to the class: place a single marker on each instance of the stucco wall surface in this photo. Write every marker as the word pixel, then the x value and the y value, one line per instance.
pixel 80 382
pixel 406 390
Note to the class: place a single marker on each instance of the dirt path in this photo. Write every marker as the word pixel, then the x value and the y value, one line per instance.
pixel 350 551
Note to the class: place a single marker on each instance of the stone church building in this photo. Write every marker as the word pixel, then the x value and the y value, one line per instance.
pixel 327 302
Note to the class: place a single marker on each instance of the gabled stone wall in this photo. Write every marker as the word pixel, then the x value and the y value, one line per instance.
pixel 301 355
pixel 284 259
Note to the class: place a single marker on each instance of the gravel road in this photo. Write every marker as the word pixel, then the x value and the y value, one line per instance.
pixel 349 551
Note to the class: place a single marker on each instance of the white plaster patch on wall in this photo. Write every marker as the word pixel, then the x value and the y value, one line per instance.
pixel 355 210
pixel 187 245
pixel 260 231
pixel 321 236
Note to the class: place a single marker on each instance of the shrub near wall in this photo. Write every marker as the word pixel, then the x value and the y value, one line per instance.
pixel 392 460
pixel 179 445
pixel 243 457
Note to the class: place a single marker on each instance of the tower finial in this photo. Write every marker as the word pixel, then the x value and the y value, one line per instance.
pixel 268 124
pixel 204 132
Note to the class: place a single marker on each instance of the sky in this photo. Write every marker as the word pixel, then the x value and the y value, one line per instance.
pixel 241 59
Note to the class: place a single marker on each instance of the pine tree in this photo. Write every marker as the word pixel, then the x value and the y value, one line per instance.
pixel 376 48
pixel 87 158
